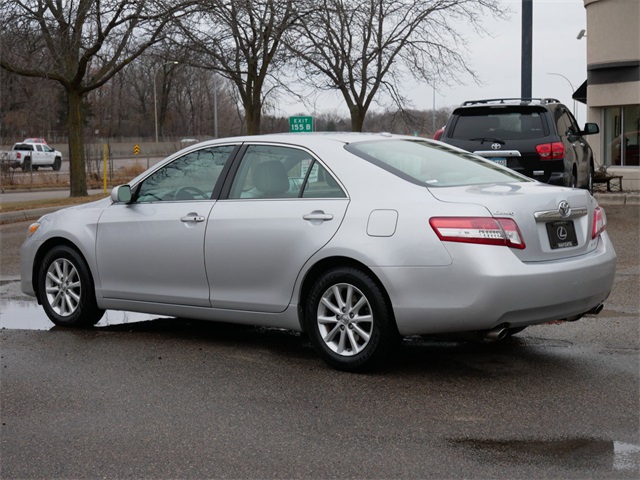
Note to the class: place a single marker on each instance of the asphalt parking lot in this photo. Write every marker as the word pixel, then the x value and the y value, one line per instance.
pixel 167 398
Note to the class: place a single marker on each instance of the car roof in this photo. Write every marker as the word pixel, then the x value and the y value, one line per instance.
pixel 511 101
pixel 312 139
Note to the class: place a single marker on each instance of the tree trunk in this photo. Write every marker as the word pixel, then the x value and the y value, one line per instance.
pixel 75 127
pixel 357 118
pixel 253 114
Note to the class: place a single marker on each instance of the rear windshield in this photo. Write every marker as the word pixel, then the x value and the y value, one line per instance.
pixel 22 146
pixel 432 164
pixel 500 123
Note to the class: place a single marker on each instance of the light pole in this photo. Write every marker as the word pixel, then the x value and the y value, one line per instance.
pixel 215 106
pixel 155 94
pixel 573 90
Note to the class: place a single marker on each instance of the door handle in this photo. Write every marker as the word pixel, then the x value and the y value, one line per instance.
pixel 192 217
pixel 318 216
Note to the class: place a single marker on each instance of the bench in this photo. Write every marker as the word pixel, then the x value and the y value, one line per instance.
pixel 608 179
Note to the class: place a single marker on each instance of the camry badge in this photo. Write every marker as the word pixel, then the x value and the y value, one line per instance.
pixel 564 209
pixel 496 146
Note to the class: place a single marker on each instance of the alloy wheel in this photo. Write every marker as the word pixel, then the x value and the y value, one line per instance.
pixel 345 319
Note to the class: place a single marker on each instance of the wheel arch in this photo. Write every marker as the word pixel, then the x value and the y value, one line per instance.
pixel 327 264
pixel 44 249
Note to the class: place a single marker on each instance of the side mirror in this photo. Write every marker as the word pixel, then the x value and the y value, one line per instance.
pixel 590 129
pixel 121 194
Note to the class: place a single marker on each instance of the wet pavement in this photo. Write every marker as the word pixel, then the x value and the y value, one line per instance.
pixel 148 397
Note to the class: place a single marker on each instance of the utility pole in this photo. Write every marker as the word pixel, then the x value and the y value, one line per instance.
pixel 526 69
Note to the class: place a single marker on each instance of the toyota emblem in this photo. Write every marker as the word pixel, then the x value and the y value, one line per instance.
pixel 496 146
pixel 564 209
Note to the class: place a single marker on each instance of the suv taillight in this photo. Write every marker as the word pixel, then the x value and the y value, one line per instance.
pixel 483 230
pixel 550 151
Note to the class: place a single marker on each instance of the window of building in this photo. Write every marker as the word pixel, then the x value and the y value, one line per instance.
pixel 622 135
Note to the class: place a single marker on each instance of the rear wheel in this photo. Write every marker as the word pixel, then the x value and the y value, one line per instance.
pixel 26 165
pixel 573 182
pixel 66 290
pixel 590 179
pixel 57 163
pixel 348 320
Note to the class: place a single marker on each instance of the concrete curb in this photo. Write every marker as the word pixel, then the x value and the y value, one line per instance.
pixel 26 215
pixel 617 198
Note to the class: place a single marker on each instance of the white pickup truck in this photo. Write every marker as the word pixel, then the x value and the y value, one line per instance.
pixel 28 155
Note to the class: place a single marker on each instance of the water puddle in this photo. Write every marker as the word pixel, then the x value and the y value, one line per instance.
pixel 28 315
pixel 580 452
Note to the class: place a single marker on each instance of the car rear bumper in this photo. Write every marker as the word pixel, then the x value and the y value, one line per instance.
pixel 487 286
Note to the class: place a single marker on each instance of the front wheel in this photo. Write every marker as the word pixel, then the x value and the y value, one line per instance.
pixel 65 289
pixel 348 320
pixel 57 163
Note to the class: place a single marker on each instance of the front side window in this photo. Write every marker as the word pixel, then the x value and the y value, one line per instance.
pixel 268 171
pixel 432 164
pixel 187 178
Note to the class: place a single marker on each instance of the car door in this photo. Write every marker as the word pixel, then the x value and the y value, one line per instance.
pixel 282 207
pixel 151 249
pixel 573 146
pixel 38 156
pixel 582 150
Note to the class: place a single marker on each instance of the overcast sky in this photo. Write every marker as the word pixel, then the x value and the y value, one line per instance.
pixel 496 60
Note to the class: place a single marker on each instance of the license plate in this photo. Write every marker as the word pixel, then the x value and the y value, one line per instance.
pixel 499 160
pixel 562 234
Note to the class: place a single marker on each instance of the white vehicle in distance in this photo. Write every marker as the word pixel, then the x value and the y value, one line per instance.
pixel 30 155
pixel 356 239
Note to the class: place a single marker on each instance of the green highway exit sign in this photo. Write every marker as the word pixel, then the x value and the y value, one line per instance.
pixel 301 124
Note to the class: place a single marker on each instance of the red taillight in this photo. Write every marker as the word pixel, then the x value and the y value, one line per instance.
pixel 483 230
pixel 17 154
pixel 599 222
pixel 438 134
pixel 550 151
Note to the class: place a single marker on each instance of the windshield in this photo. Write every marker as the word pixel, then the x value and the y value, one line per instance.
pixel 499 123
pixel 432 164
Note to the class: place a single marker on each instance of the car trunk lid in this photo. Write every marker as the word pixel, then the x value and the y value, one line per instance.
pixel 555 222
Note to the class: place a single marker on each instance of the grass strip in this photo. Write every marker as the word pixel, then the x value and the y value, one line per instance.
pixel 52 202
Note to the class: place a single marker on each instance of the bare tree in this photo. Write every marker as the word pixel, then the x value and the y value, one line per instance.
pixel 82 45
pixel 242 40
pixel 363 48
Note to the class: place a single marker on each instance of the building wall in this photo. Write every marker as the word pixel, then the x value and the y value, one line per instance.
pixel 613 91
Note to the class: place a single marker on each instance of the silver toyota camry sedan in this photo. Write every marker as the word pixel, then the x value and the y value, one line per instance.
pixel 356 239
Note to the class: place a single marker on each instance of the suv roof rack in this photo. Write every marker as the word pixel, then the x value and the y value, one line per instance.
pixel 542 101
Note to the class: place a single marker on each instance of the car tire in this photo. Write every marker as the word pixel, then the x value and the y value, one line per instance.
pixel 57 163
pixel 66 289
pixel 590 179
pixel 349 321
pixel 573 180
pixel 26 165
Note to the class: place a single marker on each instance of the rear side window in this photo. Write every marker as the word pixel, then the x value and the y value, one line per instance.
pixel 23 146
pixel 432 164
pixel 503 123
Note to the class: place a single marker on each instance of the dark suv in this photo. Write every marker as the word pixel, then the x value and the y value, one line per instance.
pixel 538 137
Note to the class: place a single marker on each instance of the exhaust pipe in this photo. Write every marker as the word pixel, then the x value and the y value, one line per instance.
pixel 495 334
pixel 596 310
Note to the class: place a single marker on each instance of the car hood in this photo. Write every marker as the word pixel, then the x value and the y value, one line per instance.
pixel 95 207
pixel 532 205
